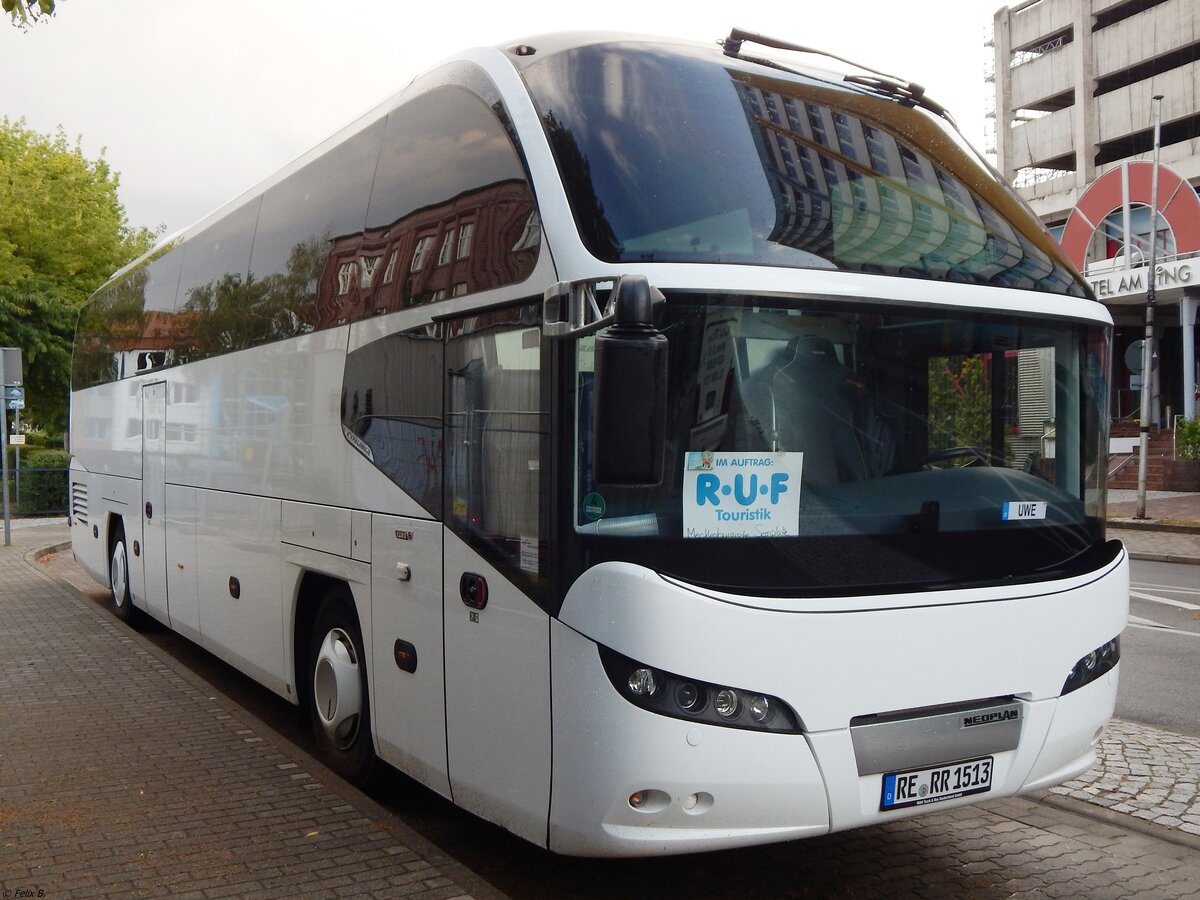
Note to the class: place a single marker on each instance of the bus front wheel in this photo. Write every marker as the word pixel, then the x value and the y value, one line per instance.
pixel 337 697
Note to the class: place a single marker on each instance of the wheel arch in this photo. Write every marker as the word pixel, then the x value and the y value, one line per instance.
pixel 311 588
pixel 113 522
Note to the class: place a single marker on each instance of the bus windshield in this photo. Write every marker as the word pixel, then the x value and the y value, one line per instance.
pixel 670 156
pixel 859 445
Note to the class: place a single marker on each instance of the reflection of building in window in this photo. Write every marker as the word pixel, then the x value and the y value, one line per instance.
pixel 369 265
pixel 420 252
pixel 345 278
pixel 465 231
pixel 531 235
pixel 850 190
pixel 447 249
pixel 488 238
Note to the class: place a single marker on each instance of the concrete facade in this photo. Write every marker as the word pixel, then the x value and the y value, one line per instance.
pixel 1074 83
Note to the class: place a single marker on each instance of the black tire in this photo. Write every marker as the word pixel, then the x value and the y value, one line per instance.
pixel 118 576
pixel 338 702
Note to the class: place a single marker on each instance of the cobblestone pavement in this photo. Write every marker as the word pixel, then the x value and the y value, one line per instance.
pixel 1147 773
pixel 121 771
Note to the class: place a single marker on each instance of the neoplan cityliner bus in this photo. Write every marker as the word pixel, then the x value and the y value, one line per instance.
pixel 651 447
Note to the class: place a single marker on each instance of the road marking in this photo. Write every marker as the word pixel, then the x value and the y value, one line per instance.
pixel 1147 623
pixel 1151 625
pixel 1169 588
pixel 1167 601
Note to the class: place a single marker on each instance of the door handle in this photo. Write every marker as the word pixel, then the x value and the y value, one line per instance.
pixel 473 589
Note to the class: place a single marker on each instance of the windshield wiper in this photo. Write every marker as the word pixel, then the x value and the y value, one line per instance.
pixel 908 93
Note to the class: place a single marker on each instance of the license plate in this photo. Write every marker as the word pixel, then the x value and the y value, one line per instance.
pixel 920 786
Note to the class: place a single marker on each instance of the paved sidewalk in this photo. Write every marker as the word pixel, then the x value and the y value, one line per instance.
pixel 123 774
pixel 1169 533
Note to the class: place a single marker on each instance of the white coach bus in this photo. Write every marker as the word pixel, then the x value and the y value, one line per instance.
pixel 631 441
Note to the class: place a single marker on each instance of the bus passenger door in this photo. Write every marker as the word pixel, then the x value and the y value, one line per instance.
pixel 153 512
pixel 409 688
pixel 497 696
pixel 497 637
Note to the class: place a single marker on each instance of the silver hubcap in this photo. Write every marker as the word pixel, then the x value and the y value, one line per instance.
pixel 119 574
pixel 337 688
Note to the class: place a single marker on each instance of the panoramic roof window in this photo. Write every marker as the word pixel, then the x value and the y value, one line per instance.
pixel 677 155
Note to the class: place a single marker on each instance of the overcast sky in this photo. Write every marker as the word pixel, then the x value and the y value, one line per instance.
pixel 197 100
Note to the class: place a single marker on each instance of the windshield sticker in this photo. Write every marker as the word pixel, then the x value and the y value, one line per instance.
pixel 714 381
pixel 1023 509
pixel 716 370
pixel 593 506
pixel 729 495
pixel 529 554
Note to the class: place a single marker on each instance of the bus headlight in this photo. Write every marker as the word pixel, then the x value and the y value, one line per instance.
pixel 761 708
pixel 668 694
pixel 641 682
pixel 1092 666
pixel 726 703
pixel 690 697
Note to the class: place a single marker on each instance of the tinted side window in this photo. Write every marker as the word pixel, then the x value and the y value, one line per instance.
pixel 128 327
pixel 451 212
pixel 443 210
pixel 302 218
pixel 214 310
pixel 496 437
pixel 392 411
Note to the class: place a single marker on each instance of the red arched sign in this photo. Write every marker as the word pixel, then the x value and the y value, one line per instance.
pixel 1177 202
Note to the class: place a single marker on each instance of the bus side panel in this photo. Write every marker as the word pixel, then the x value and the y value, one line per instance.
pixel 497 699
pixel 106 428
pixel 106 471
pixel 153 557
pixel 238 558
pixel 183 583
pixel 266 421
pixel 89 526
pixel 408 683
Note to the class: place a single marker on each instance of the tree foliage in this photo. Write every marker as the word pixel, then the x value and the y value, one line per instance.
pixel 1187 437
pixel 960 403
pixel 63 231
pixel 25 12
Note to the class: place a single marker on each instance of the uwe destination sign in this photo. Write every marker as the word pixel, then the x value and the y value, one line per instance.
pixel 729 495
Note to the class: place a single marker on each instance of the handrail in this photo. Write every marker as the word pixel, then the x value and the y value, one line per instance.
pixel 1126 461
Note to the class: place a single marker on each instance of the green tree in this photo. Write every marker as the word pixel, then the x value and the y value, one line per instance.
pixel 24 12
pixel 63 231
pixel 960 403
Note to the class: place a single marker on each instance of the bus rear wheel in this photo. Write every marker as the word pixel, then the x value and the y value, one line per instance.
pixel 118 576
pixel 338 703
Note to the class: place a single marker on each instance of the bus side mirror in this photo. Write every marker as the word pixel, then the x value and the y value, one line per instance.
pixel 630 395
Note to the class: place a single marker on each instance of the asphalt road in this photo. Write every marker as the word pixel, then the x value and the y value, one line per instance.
pixel 1160 650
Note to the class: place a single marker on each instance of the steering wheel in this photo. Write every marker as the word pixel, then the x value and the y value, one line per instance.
pixel 976 456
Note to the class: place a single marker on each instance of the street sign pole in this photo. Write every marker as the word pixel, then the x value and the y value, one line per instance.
pixel 1148 346
pixel 17 452
pixel 4 454
pixel 11 374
